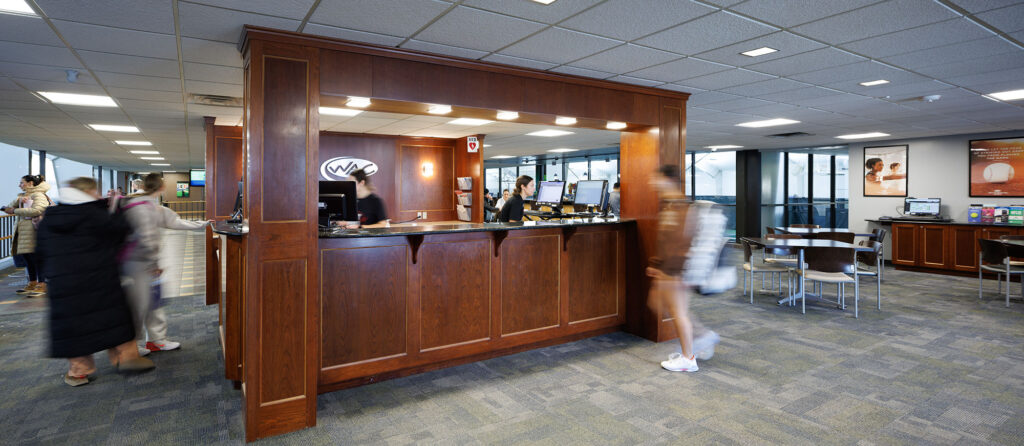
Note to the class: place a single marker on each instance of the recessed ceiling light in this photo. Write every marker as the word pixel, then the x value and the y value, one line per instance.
pixel 114 128
pixel 545 2
pixel 134 143
pixel 873 83
pixel 767 123
pixel 89 100
pixel 437 109
pixel 549 133
pixel 562 150
pixel 507 115
pixel 470 121
pixel 159 164
pixel 358 102
pixel 144 152
pixel 565 120
pixel 487 145
pixel 1011 95
pixel 759 52
pixel 157 158
pixel 170 171
pixel 334 111
pixel 614 125
pixel 501 157
pixel 863 135
pixel 19 7
pixel 727 146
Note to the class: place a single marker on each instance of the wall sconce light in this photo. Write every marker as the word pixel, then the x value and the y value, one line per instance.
pixel 428 169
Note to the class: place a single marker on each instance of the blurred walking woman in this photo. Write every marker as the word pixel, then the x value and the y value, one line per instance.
pixel 78 241
pixel 29 205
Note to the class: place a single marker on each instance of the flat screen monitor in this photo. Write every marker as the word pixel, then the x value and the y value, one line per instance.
pixel 236 213
pixel 337 202
pixel 590 192
pixel 550 192
pixel 197 178
pixel 921 206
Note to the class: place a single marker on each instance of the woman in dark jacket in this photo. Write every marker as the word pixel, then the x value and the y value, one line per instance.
pixel 78 242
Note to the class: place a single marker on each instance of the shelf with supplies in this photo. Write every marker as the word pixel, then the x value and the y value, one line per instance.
pixel 464 198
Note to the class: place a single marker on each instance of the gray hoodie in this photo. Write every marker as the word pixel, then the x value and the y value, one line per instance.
pixel 146 218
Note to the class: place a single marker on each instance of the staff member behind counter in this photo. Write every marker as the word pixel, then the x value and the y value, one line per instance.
pixel 371 208
pixel 513 208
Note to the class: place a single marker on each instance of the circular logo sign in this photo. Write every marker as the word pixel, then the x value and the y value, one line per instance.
pixel 341 167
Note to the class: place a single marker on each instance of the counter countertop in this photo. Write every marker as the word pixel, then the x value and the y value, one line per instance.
pixel 448 228
pixel 939 222
pixel 223 227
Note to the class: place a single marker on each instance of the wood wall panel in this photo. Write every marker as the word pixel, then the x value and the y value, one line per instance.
pixel 365 306
pixel 964 248
pixel 233 307
pixel 381 150
pixel 640 202
pixel 284 143
pixel 544 96
pixel 423 193
pixel 345 73
pixel 286 281
pixel 672 128
pixel 455 293
pixel 593 275
pixel 471 165
pixel 530 288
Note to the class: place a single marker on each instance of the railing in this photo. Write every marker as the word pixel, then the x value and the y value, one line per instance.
pixel 7 226
pixel 189 210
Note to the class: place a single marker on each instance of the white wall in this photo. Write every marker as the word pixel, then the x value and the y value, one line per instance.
pixel 936 167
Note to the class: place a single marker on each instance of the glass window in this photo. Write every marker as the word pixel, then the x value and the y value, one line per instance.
pixel 508 178
pixel 492 182
pixel 532 172
pixel 554 171
pixel 797 180
pixel 577 170
pixel 842 191
pixel 688 175
pixel 715 180
pixel 605 170
pixel 13 167
pixel 822 178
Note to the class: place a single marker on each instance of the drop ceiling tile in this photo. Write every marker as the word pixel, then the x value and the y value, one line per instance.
pixel 1013 77
pixel 42 72
pixel 680 69
pixel 706 33
pixel 725 3
pixel 349 34
pixel 83 36
pixel 725 79
pixel 952 53
pixel 624 59
pixel 139 82
pixel 568 69
pixel 786 43
pixel 1009 19
pixel 807 62
pixel 835 104
pixel 224 25
pixel 980 65
pixel 852 74
pixel 25 29
pixel 61 86
pixel 489 31
pixel 874 20
pixel 996 87
pixel 738 105
pixel 805 93
pixel 559 45
pixel 145 95
pixel 519 62
pixel 929 36
pixel 680 88
pixel 537 12
pixel 444 49
pixel 120 63
pixel 632 19
pixel 215 88
pixel 403 17
pixel 709 97
pixel 213 73
pixel 37 54
pixel 758 89
pixel 148 15
pixel 790 13
pixel 635 81
pixel 289 9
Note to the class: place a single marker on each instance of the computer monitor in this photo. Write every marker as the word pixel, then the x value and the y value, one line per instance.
pixel 236 213
pixel 550 192
pixel 591 192
pixel 197 177
pixel 337 202
pixel 921 206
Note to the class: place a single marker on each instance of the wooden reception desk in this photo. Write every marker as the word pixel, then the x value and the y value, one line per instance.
pixel 404 300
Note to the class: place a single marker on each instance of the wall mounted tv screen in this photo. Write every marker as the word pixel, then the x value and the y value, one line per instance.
pixel 197 177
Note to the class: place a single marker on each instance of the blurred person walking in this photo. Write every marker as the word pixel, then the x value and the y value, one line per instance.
pixel 29 208
pixel 78 241
pixel 141 257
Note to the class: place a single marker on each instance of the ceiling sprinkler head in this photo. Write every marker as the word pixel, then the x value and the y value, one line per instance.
pixel 932 98
pixel 72 75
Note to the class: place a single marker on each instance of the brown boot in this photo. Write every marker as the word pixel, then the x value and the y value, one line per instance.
pixel 40 290
pixel 135 365
pixel 29 289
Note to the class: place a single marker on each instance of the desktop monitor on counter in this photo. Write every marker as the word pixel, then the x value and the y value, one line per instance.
pixel 921 206
pixel 550 192
pixel 337 202
pixel 591 192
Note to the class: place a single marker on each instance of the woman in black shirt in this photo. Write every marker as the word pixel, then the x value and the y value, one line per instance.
pixel 371 208
pixel 513 208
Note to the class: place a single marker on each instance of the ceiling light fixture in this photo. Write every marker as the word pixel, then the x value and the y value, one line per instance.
pixel 144 152
pixel 615 125
pixel 767 123
pixel 863 135
pixel 565 120
pixel 469 121
pixel 488 145
pixel 873 83
pixel 727 146
pixel 88 100
pixel 501 157
pixel 562 150
pixel 134 143
pixel 114 128
pixel 545 2
pixel 549 133
pixel 437 109
pixel 159 164
pixel 507 115
pixel 358 102
pixel 759 52
pixel 334 111
pixel 157 158
pixel 17 7
pixel 1011 95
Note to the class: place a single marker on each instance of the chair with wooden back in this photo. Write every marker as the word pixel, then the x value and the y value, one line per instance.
pixel 831 265
pixel 873 262
pixel 995 257
pixel 808 226
pixel 753 267
pixel 845 237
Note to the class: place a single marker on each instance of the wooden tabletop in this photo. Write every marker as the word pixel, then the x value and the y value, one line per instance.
pixel 805 231
pixel 803 243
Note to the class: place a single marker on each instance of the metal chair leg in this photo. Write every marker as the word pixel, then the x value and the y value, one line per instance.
pixel 879 289
pixel 980 280
pixel 856 297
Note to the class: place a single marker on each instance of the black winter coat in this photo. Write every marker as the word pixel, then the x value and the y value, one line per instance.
pixel 78 246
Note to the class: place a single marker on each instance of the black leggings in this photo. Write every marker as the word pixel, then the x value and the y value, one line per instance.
pixel 35 270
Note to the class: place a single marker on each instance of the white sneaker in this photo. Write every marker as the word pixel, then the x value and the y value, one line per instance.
pixel 704 346
pixel 143 351
pixel 162 346
pixel 677 363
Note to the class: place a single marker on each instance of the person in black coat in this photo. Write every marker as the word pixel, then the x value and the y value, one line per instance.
pixel 79 241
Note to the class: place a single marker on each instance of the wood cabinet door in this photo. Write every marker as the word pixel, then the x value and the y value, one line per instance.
pixel 933 251
pixel 904 244
pixel 995 233
pixel 964 249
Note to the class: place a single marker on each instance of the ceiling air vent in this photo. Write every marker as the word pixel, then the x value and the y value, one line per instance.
pixel 789 135
pixel 212 99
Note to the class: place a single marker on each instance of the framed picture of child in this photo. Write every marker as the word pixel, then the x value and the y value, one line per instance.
pixel 885 171
pixel 994 166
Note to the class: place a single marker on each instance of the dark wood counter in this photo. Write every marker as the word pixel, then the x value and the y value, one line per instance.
pixel 944 247
pixel 435 228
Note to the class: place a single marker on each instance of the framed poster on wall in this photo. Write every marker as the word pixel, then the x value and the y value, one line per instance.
pixel 182 191
pixel 997 167
pixel 885 171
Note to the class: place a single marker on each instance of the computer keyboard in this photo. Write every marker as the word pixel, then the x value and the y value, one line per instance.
pixel 919 218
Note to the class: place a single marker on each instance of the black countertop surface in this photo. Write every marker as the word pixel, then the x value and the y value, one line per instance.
pixel 941 222
pixel 223 227
pixel 427 228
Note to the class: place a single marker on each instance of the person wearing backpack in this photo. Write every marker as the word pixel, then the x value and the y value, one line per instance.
pixel 140 261
pixel 29 207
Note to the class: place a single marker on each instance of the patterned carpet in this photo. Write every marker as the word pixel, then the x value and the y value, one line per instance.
pixel 935 366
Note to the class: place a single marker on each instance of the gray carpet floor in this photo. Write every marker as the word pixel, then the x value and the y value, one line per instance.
pixel 935 366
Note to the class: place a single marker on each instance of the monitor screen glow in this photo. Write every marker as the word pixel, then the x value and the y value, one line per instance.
pixel 922 206
pixel 197 177
pixel 590 192
pixel 550 192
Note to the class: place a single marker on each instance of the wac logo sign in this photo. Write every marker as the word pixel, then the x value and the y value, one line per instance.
pixel 341 167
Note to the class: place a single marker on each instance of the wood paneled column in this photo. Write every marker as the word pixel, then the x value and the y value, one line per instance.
pixel 282 337
pixel 223 171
